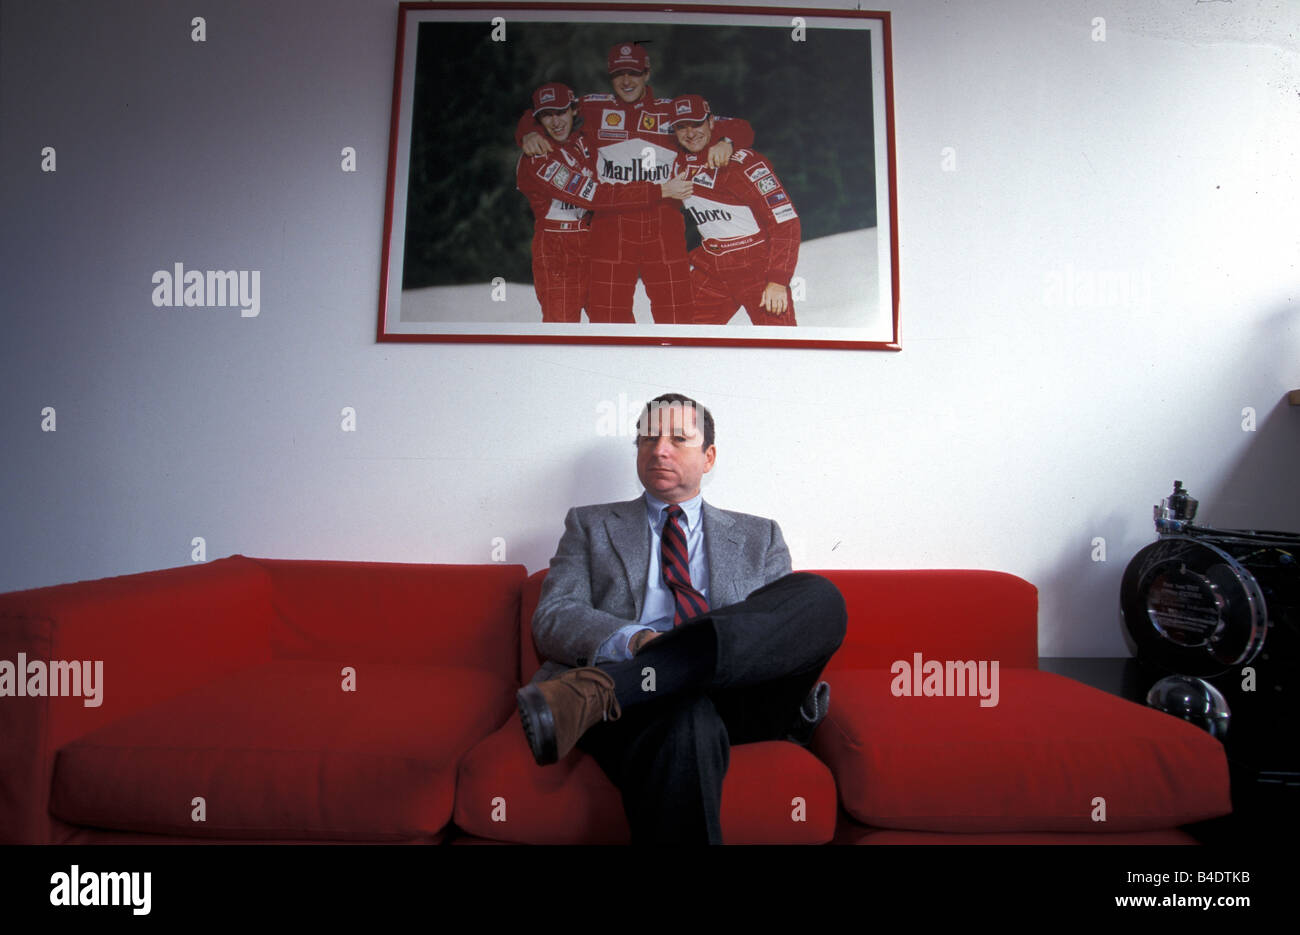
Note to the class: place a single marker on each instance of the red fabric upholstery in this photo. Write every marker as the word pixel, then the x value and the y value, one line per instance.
pixel 777 793
pixel 568 802
pixel 463 615
pixel 98 836
pixel 281 751
pixel 857 834
pixel 158 633
pixel 573 802
pixel 529 661
pixel 1034 762
pixel 944 614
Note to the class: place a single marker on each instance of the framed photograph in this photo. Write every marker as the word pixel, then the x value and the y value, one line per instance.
pixel 641 174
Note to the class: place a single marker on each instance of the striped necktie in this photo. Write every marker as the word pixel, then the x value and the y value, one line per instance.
pixel 676 563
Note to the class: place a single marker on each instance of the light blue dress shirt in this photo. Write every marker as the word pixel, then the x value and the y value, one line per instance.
pixel 658 607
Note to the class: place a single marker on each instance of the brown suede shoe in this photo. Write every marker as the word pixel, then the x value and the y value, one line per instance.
pixel 557 712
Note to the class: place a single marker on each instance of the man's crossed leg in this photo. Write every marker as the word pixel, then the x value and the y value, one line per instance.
pixel 735 674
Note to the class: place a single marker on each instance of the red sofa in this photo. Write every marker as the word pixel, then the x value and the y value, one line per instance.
pixel 274 700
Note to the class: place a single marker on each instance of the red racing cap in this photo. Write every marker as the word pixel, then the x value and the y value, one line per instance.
pixel 553 96
pixel 687 108
pixel 628 56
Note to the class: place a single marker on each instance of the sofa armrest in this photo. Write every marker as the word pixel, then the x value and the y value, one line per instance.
pixel 156 634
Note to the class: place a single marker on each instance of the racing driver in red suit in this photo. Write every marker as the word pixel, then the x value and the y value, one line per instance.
pixel 629 129
pixel 562 189
pixel 749 229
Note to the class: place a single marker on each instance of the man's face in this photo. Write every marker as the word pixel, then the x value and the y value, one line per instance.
pixel 670 453
pixel 630 85
pixel 693 137
pixel 558 123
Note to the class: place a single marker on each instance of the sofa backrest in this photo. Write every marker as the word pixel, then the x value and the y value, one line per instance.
pixel 944 614
pixel 529 660
pixel 462 615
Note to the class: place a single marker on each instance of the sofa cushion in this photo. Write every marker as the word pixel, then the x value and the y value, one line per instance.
pixel 502 794
pixel 857 834
pixel 387 612
pixel 280 751
pixel 1035 761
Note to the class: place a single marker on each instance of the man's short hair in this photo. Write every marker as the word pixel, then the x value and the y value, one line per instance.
pixel 650 416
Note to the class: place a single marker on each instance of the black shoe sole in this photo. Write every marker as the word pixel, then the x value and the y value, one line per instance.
pixel 539 725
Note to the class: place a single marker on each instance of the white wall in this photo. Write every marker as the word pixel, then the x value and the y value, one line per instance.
pixel 1021 419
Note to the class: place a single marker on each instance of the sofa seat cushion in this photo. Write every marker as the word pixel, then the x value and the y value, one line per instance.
pixel 280 751
pixel 503 795
pixel 1036 761
pixel 853 833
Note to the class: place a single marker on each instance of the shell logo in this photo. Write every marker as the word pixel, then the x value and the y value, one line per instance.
pixel 612 120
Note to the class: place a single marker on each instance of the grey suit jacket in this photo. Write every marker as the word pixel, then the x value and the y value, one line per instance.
pixel 596 583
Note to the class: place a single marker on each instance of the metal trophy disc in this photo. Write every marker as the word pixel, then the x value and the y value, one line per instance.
pixel 1191 607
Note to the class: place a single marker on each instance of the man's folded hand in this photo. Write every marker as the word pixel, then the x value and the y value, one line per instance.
pixel 640 638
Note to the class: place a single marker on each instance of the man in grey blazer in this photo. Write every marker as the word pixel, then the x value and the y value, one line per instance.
pixel 672 630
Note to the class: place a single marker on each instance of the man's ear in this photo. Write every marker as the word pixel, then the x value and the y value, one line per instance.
pixel 710 456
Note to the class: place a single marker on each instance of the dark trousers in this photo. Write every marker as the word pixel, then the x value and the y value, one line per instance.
pixel 737 674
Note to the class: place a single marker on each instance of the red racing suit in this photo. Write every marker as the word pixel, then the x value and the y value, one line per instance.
pixel 650 243
pixel 562 189
pixel 749 234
